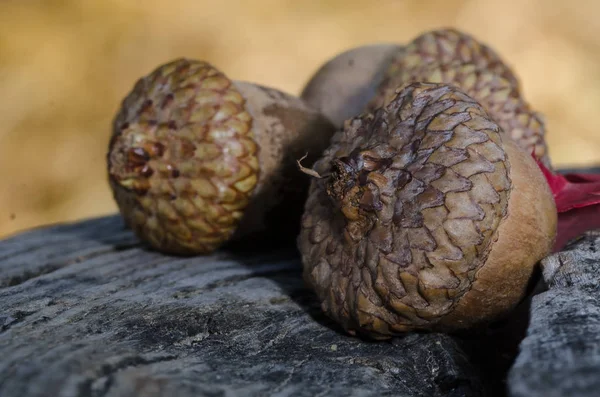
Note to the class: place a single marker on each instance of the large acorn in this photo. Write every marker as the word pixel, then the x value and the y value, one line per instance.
pixel 197 159
pixel 423 215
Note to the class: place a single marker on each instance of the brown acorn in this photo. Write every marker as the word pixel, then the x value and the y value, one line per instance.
pixel 197 159
pixel 344 86
pixel 424 217
pixel 440 56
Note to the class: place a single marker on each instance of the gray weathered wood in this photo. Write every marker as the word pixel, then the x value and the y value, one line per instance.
pixel 560 356
pixel 85 310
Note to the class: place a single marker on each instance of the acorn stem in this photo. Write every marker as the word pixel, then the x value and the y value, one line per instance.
pixel 308 171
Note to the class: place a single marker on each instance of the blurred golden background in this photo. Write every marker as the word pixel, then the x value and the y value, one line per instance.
pixel 66 65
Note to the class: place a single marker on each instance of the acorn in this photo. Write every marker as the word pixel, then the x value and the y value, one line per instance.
pixel 196 160
pixel 439 56
pixel 423 215
pixel 344 86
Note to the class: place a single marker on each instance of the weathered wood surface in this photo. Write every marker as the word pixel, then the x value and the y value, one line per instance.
pixel 85 310
pixel 560 356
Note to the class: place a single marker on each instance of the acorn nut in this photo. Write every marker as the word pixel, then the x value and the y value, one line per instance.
pixel 365 78
pixel 424 217
pixel 197 159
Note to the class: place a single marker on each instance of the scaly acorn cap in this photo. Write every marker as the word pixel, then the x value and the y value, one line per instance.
pixel 453 57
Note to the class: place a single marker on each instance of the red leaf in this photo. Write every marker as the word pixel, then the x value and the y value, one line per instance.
pixel 574 223
pixel 577 198
pixel 573 190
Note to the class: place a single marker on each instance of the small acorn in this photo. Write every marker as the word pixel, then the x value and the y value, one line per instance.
pixel 423 216
pixel 440 56
pixel 196 159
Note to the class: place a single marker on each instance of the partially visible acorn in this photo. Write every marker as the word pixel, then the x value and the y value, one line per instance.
pixel 344 86
pixel 197 159
pixel 424 216
pixel 440 56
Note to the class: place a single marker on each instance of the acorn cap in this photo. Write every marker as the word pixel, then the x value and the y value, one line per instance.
pixel 182 159
pixel 449 46
pixel 422 220
pixel 452 57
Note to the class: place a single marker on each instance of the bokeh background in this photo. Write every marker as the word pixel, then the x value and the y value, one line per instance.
pixel 66 65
